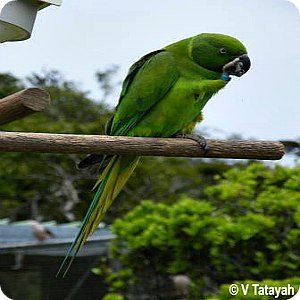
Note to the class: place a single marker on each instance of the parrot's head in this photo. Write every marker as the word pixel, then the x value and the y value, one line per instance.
pixel 220 53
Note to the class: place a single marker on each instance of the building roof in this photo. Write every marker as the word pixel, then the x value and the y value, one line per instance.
pixel 18 237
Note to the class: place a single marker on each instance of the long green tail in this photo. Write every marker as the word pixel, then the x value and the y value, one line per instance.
pixel 108 187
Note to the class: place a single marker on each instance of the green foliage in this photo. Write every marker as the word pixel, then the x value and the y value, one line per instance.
pixel 9 85
pixel 48 186
pixel 247 228
pixel 113 296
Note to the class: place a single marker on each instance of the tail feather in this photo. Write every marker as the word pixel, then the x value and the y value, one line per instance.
pixel 89 161
pixel 107 189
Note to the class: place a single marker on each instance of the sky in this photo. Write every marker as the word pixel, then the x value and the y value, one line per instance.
pixel 81 37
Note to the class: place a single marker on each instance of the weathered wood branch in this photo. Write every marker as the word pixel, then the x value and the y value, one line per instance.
pixel 102 144
pixel 22 104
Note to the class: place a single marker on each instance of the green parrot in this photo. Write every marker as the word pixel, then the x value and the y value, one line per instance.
pixel 162 95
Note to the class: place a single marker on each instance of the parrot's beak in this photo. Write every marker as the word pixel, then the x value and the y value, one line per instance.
pixel 238 67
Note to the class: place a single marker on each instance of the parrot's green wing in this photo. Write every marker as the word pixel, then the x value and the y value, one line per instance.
pixel 134 70
pixel 147 82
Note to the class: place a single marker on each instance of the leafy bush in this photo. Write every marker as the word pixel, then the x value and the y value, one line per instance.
pixel 247 228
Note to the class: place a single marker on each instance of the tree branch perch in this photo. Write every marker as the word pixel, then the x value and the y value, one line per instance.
pixel 102 144
pixel 22 104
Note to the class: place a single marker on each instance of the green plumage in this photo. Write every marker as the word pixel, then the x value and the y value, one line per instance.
pixel 163 95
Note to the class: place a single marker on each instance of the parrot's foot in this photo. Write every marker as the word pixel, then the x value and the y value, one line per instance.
pixel 197 138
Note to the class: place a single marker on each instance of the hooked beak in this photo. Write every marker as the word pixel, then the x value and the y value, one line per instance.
pixel 238 67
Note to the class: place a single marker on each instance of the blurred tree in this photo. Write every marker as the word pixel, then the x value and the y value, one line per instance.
pixel 105 80
pixel 9 85
pixel 48 186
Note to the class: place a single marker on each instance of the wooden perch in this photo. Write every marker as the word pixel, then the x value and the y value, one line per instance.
pixel 22 104
pixel 102 144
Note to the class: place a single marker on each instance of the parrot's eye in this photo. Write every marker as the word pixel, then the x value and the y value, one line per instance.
pixel 223 51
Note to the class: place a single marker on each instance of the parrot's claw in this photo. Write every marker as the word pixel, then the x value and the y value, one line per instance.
pixel 197 138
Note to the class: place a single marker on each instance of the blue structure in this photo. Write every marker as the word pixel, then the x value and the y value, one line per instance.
pixel 28 266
